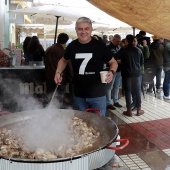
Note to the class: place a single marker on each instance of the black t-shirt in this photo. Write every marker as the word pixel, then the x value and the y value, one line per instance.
pixel 114 49
pixel 87 61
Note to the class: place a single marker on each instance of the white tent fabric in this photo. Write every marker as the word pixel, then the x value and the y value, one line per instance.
pixel 86 9
pixel 44 12
pixel 49 11
pixel 71 10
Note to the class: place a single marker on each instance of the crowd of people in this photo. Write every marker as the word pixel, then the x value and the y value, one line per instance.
pixel 156 56
pixel 80 63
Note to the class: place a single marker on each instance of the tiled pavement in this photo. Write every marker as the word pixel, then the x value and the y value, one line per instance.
pixel 148 134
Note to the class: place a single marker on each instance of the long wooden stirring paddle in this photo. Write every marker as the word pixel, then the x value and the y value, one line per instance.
pixel 52 98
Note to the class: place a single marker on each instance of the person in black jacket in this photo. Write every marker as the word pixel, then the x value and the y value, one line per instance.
pixel 156 51
pixel 131 61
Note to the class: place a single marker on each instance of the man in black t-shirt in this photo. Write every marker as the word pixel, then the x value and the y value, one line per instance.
pixel 87 56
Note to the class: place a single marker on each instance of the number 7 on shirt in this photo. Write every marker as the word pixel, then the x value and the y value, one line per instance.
pixel 86 57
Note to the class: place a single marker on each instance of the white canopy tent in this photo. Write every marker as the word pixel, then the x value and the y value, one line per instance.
pixel 45 12
pixel 84 8
pixel 50 11
pixel 69 10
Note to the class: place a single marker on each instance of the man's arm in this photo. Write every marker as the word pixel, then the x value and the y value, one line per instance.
pixel 113 67
pixel 113 64
pixel 60 67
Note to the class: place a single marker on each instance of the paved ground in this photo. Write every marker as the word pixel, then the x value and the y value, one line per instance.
pixel 149 136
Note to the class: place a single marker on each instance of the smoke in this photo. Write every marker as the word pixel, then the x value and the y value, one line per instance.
pixel 17 96
pixel 14 100
pixel 50 128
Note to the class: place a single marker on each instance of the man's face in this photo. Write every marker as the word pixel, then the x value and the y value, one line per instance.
pixel 110 38
pixel 116 41
pixel 126 43
pixel 161 40
pixel 135 42
pixel 84 31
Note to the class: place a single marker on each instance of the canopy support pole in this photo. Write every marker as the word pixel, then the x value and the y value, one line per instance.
pixel 133 31
pixel 56 27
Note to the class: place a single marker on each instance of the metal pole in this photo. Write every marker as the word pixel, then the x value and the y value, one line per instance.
pixel 56 27
pixel 133 31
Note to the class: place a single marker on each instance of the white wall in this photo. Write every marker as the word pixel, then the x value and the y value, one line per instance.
pixel 2 23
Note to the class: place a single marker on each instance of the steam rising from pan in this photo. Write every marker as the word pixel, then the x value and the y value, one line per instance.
pixel 49 128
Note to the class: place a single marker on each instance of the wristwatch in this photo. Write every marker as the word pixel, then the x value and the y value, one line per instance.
pixel 113 72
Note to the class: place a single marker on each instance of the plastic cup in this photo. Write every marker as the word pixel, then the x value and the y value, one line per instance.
pixel 103 76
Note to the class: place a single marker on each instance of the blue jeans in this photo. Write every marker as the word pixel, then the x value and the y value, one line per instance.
pixel 84 103
pixel 130 83
pixel 114 84
pixel 166 84
pixel 158 76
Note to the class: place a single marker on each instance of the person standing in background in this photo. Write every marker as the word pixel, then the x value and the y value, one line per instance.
pixel 35 51
pixel 156 52
pixel 105 40
pixel 123 43
pixel 166 68
pixel 52 55
pixel 113 86
pixel 110 39
pixel 87 56
pixel 97 37
pixel 25 48
pixel 162 41
pixel 142 36
pixel 131 61
pixel 145 50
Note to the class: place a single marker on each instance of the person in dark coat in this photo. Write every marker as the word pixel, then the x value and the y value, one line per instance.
pixel 52 55
pixel 131 61
pixel 156 51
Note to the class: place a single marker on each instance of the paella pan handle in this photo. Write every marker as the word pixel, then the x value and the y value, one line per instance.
pixel 4 113
pixel 98 111
pixel 126 141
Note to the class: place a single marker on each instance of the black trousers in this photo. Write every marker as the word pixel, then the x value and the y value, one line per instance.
pixel 132 85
